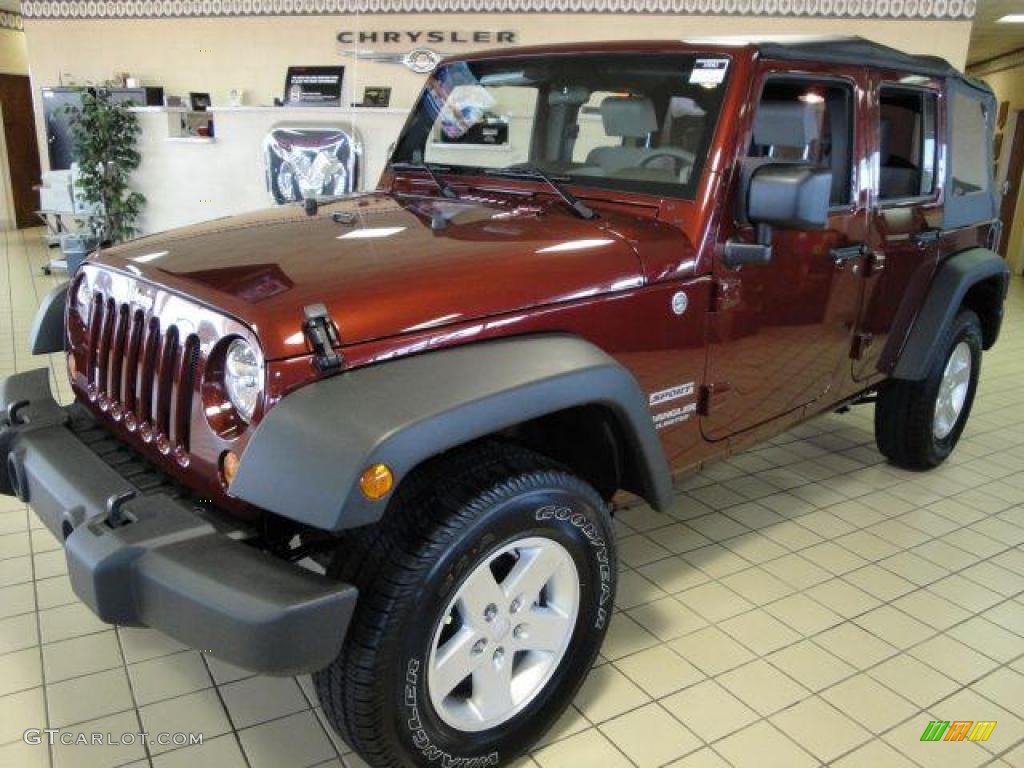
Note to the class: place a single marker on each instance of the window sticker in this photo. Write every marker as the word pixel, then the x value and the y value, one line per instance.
pixel 456 97
pixel 709 72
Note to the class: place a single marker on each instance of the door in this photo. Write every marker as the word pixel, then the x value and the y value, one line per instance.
pixel 22 149
pixel 907 222
pixel 781 331
pixel 1011 186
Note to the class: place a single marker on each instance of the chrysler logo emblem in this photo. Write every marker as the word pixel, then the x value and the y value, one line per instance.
pixel 422 61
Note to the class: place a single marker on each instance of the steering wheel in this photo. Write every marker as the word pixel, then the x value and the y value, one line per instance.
pixel 678 162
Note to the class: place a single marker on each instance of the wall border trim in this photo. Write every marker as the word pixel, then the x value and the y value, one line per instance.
pixel 946 10
pixel 12 20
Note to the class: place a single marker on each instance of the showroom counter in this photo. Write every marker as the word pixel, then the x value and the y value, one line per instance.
pixel 188 178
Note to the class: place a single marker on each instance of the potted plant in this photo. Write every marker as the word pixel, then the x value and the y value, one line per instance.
pixel 105 134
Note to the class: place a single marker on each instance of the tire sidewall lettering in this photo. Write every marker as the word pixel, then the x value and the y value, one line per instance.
pixel 599 545
pixel 421 740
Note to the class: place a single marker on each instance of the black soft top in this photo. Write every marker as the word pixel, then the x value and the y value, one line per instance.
pixel 857 50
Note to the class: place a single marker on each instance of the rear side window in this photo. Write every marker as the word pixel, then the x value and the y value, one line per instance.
pixel 970 191
pixel 969 155
pixel 802 120
pixel 907 143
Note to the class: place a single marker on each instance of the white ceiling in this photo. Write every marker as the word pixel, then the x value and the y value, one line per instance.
pixel 989 38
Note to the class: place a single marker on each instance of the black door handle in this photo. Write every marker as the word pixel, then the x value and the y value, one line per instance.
pixel 736 254
pixel 925 236
pixel 847 253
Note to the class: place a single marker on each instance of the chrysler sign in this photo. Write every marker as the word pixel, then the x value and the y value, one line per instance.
pixel 427 37
pixel 421 57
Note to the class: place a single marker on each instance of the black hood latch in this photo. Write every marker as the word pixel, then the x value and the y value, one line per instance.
pixel 323 337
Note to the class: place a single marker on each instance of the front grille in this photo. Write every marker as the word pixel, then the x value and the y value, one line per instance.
pixel 141 372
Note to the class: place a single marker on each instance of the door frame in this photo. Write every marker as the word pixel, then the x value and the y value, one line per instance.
pixel 1010 173
pixel 9 218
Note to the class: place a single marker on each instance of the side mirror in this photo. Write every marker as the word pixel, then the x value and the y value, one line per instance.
pixel 784 195
pixel 789 196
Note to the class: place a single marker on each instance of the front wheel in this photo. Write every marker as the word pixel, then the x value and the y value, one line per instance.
pixel 484 597
pixel 918 423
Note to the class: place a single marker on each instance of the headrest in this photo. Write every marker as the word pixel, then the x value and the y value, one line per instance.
pixel 570 94
pixel 884 140
pixel 785 124
pixel 628 117
pixel 684 106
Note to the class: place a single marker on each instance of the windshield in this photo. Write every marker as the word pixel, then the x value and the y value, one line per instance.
pixel 636 122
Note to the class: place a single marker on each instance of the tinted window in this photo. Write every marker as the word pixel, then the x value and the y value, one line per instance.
pixel 906 143
pixel 969 151
pixel 802 120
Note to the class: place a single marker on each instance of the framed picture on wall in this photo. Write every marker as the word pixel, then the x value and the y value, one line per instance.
pixel 199 102
pixel 313 86
pixel 376 96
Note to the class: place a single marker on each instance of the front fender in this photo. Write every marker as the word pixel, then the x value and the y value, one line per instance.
pixel 47 332
pixel 305 458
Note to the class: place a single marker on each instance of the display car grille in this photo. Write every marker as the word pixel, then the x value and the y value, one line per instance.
pixel 141 370
pixel 146 361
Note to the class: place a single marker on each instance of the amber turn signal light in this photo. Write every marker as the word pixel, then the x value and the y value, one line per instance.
pixel 376 481
pixel 228 466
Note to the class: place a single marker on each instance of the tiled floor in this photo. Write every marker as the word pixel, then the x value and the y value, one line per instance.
pixel 801 604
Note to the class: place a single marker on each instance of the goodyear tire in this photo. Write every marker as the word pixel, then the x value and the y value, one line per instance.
pixel 918 423
pixel 483 600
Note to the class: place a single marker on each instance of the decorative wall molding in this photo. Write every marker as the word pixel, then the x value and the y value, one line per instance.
pixel 1010 60
pixel 11 20
pixel 159 9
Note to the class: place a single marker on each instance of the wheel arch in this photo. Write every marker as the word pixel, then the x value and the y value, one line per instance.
pixel 591 441
pixel 976 278
pixel 305 457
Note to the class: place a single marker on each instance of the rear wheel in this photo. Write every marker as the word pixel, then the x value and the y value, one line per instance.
pixel 484 597
pixel 918 423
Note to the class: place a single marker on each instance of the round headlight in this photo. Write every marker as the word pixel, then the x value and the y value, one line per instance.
pixel 243 377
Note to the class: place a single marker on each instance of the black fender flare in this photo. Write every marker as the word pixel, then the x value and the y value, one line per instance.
pixel 955 276
pixel 47 333
pixel 305 457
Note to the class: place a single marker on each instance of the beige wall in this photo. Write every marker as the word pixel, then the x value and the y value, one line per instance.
pixel 13 52
pixel 1009 86
pixel 215 55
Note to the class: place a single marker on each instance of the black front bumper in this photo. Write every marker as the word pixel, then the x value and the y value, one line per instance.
pixel 145 558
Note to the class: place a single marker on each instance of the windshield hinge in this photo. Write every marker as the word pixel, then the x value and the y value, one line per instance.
pixel 323 337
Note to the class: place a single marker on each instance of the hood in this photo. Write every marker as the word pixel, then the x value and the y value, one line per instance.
pixel 385 266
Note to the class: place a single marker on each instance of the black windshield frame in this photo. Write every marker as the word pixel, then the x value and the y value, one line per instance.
pixel 628 72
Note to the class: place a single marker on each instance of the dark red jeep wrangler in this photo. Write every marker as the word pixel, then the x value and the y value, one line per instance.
pixel 378 438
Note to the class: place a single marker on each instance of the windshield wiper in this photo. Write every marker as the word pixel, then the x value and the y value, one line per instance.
pixel 581 209
pixel 432 171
